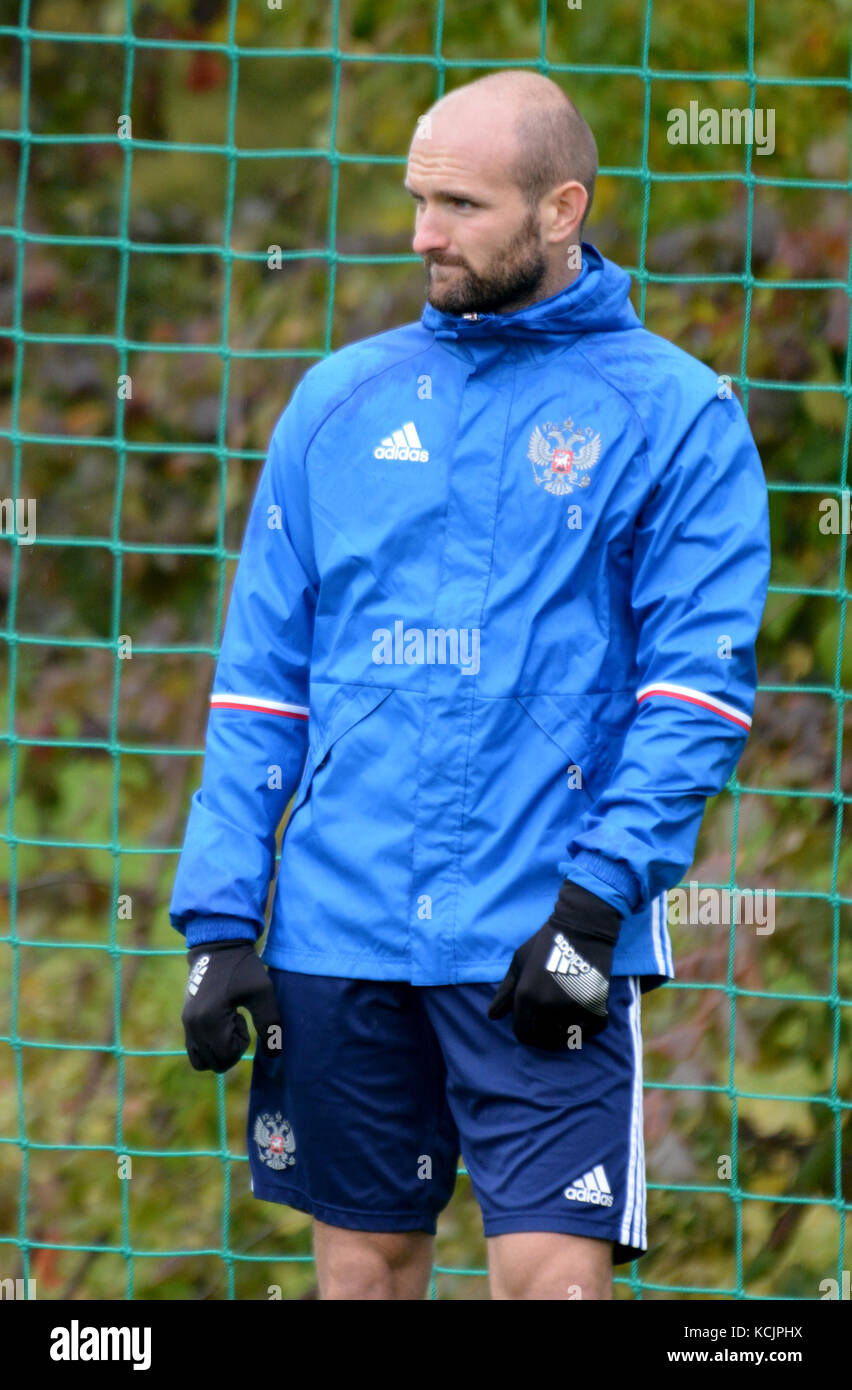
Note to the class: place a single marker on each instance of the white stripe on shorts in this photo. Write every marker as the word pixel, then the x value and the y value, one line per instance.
pixel 633 1226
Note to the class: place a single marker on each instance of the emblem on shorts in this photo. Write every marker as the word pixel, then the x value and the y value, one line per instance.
pixel 592 1187
pixel 560 464
pixel 274 1138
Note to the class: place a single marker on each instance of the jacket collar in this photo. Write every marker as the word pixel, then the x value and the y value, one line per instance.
pixel 596 301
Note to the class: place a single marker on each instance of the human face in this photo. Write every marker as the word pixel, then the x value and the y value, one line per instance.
pixel 463 210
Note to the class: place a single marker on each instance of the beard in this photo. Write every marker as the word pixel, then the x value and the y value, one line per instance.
pixel 513 274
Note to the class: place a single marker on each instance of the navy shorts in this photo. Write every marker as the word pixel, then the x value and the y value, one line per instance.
pixel 381 1085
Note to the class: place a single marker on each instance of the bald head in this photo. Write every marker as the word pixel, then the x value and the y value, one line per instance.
pixel 502 171
pixel 545 140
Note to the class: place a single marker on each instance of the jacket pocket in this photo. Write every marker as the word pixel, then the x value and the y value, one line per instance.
pixel 568 721
pixel 337 710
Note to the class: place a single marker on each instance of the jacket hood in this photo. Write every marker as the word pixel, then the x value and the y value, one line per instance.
pixel 596 302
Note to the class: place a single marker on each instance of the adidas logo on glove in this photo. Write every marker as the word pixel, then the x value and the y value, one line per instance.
pixel 402 444
pixel 564 960
pixel 196 975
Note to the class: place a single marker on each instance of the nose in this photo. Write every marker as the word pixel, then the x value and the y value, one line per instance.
pixel 428 233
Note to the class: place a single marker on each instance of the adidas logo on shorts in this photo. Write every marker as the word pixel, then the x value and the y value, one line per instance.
pixel 402 444
pixel 592 1187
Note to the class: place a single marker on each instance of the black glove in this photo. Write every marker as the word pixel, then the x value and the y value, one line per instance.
pixel 561 975
pixel 222 975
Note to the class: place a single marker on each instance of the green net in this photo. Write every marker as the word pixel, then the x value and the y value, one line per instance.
pixel 147 347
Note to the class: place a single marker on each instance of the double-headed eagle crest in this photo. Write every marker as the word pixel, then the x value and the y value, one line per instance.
pixel 573 452
pixel 274 1138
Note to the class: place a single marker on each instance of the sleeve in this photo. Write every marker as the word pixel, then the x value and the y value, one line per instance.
pixel 256 738
pixel 700 575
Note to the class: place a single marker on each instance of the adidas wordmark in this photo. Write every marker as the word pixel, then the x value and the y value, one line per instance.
pixel 402 444
pixel 592 1187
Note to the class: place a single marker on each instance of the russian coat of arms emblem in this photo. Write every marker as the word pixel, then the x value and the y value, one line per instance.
pixel 564 463
pixel 275 1141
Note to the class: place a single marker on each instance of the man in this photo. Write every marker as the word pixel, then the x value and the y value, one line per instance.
pixel 495 615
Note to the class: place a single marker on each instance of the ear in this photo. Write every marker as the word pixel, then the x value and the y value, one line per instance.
pixel 563 210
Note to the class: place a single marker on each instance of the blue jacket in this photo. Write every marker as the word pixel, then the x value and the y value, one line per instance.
pixel 493 623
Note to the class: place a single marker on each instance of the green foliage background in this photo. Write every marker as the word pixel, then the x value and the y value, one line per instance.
pixel 152 261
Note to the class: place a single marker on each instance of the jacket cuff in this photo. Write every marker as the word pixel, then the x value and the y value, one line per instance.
pixel 202 930
pixel 604 877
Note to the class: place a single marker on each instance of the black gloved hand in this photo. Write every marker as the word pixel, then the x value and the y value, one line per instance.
pixel 222 975
pixel 561 975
